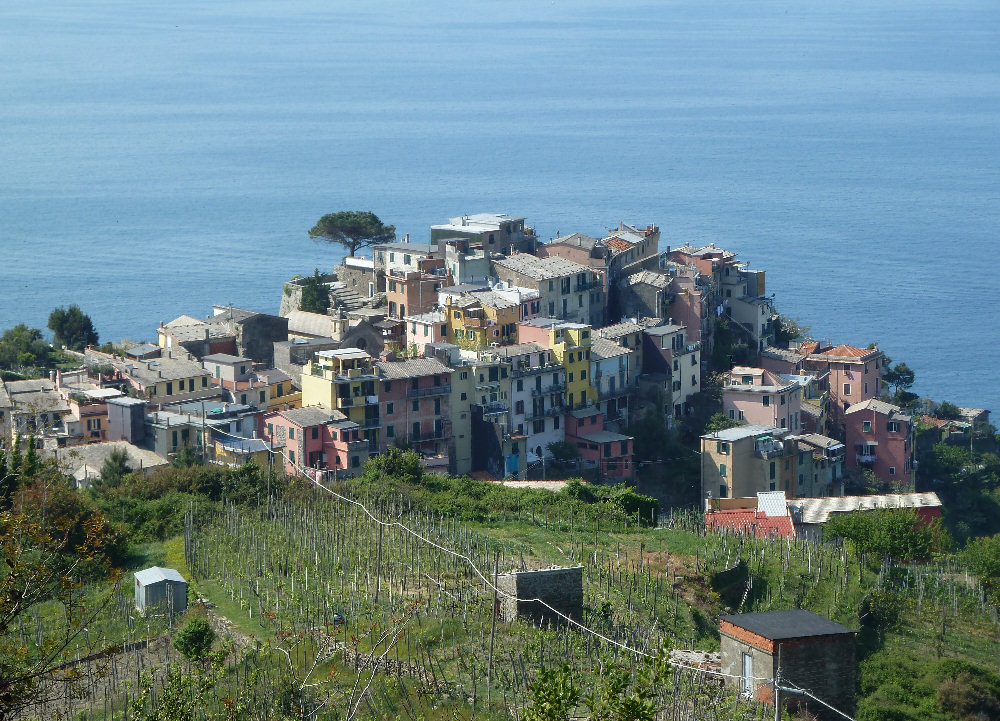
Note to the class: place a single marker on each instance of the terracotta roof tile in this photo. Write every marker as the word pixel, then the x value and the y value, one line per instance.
pixel 847 351
pixel 750 521
pixel 618 244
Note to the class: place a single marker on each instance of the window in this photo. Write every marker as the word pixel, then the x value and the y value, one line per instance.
pixel 847 389
pixel 315 432
pixel 694 361
pixel 291 457
pixel 415 383
pixel 464 375
pixel 437 381
pixel 204 382
pixel 782 400
pixel 291 433
pixel 892 426
pixel 788 464
pixel 263 396
pixel 415 406
pixel 722 470
pixel 519 407
pixel 390 431
pixel 390 408
pixel 766 400
pixel 333 436
pixel 892 470
pixel 520 385
pixel 355 461
pixel 583 375
pixel 406 260
pixel 741 416
pixel 243 398
pixel 170 389
pixel 555 423
pixel 270 430
pixel 464 396
pixel 437 406
pixel 624 448
pixel 243 370
pixel 570 377
pixel 772 472
pixel 722 490
pixel 607 450
pixel 694 380
pixel 866 389
pixel 866 426
pixel 721 447
pixel 732 414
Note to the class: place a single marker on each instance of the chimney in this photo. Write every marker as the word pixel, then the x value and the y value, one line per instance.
pixel 406 238
pixel 58 379
pixel 206 334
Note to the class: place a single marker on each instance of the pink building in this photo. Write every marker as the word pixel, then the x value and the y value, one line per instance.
pixel 413 292
pixel 855 376
pixel 762 398
pixel 610 453
pixel 318 438
pixel 880 438
pixel 425 328
pixel 415 404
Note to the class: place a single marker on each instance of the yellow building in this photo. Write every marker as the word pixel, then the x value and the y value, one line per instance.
pixel 480 319
pixel 344 379
pixel 570 346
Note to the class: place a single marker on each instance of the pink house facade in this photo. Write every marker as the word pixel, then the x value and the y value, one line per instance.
pixel 762 398
pixel 855 376
pixel 415 405
pixel 610 452
pixel 317 438
pixel 424 329
pixel 880 438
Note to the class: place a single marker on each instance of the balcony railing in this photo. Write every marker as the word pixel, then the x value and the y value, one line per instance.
pixel 865 458
pixel 615 392
pixel 434 391
pixel 549 390
pixel 532 415
pixel 589 285
pixel 532 370
pixel 494 408
pixel 355 401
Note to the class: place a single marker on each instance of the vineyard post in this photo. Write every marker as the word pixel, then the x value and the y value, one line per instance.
pixel 493 626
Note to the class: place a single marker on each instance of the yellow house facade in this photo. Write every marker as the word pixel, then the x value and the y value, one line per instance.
pixel 344 379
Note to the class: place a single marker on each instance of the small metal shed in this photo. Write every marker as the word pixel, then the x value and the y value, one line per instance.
pixel 160 589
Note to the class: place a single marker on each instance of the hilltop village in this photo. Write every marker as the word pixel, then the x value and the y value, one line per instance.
pixel 488 354
pixel 493 354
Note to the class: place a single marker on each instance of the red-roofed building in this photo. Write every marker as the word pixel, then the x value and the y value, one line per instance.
pixel 750 522
pixel 855 376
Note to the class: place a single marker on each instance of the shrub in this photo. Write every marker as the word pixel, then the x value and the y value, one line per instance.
pixel 195 639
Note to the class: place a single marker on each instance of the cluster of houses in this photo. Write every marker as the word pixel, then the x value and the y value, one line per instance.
pixel 484 350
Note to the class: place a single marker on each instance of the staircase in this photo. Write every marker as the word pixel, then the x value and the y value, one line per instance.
pixel 343 297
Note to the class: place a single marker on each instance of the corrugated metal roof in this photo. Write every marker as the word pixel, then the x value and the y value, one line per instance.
pixel 818 510
pixel 155 574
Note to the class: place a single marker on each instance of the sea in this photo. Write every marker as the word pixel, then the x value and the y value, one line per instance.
pixel 157 157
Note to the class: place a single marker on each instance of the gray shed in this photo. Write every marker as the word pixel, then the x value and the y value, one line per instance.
pixel 160 589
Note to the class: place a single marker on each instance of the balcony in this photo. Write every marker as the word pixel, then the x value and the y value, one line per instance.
pixel 548 390
pixel 532 370
pixel 615 393
pixel 532 415
pixel 438 434
pixel 357 446
pixel 356 401
pixel 865 459
pixel 492 409
pixel 769 449
pixel 422 392
pixel 588 286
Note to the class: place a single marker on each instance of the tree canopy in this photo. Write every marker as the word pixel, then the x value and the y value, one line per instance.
pixel 948 411
pixel 315 294
pixel 354 229
pixel 895 533
pixel 23 347
pixel 899 376
pixel 72 328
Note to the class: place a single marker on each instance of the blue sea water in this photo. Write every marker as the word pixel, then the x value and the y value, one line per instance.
pixel 159 157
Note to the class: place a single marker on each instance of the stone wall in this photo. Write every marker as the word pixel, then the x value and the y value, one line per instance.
pixel 291 293
pixel 826 665
pixel 561 588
